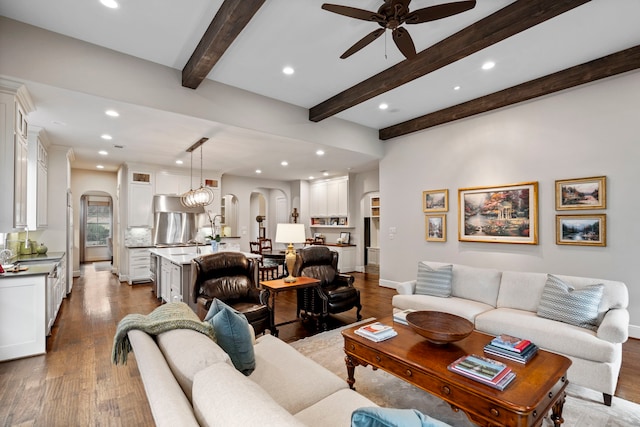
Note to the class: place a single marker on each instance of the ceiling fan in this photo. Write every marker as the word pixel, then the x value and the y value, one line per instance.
pixel 391 15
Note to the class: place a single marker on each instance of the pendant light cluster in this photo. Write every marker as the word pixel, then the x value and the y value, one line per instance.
pixel 203 195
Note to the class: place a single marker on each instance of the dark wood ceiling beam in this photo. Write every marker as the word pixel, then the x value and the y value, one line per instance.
pixel 512 19
pixel 230 20
pixel 610 65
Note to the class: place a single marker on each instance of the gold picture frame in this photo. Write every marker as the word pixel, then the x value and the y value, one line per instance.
pixel 581 230
pixel 435 228
pixel 581 193
pixel 435 201
pixel 499 214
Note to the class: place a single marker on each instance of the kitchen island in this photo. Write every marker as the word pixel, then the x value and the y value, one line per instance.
pixel 29 302
pixel 173 272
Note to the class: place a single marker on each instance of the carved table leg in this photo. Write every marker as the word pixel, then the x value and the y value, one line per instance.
pixel 556 410
pixel 351 367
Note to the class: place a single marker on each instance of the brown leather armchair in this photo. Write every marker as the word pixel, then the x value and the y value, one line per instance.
pixel 336 294
pixel 230 277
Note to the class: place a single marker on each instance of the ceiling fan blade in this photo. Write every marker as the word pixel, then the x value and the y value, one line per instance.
pixel 404 42
pixel 353 12
pixel 362 42
pixel 440 11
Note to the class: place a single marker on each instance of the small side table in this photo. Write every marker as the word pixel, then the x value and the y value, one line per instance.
pixel 273 287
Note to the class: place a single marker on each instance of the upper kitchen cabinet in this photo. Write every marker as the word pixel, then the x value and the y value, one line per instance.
pixel 329 202
pixel 136 191
pixel 15 104
pixel 37 179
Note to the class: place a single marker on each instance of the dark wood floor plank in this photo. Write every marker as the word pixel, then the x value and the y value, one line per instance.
pixel 76 384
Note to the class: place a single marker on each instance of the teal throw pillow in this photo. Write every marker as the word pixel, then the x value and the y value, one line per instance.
pixel 435 282
pixel 578 307
pixel 391 417
pixel 232 335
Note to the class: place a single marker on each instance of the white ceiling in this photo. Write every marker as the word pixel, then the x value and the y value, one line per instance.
pixel 300 34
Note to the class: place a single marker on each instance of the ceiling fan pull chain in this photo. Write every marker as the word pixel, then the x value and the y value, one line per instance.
pixel 386 36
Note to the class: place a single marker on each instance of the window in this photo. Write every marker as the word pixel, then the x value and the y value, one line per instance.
pixel 98 228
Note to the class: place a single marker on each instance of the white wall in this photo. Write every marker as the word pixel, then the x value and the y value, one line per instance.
pixel 587 131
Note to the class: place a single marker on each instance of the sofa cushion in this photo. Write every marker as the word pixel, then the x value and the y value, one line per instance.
pixel 232 334
pixel 566 304
pixel 466 308
pixel 224 397
pixel 392 417
pixel 434 281
pixel 570 340
pixel 294 381
pixel 521 290
pixel 184 365
pixel 477 284
pixel 333 410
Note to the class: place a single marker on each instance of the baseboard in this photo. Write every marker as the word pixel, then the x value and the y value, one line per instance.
pixel 634 331
pixel 388 283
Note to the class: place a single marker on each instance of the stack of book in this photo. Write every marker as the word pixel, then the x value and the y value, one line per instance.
pixel 487 371
pixel 401 316
pixel 376 331
pixel 512 348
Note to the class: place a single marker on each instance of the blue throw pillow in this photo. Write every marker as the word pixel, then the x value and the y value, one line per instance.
pixel 391 417
pixel 232 335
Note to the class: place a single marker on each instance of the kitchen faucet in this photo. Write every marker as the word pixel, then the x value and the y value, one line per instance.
pixel 196 243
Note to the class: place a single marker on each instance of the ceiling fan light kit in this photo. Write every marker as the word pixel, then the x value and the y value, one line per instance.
pixel 202 196
pixel 391 15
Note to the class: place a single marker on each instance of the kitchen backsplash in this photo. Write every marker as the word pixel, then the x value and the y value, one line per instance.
pixel 137 237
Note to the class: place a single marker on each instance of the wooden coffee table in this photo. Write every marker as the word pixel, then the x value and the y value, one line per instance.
pixel 539 386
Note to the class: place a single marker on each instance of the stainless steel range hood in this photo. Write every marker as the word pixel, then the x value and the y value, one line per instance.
pixel 173 224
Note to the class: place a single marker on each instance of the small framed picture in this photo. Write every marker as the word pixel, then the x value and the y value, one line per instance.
pixel 344 237
pixel 342 221
pixel 581 193
pixel 435 228
pixel 435 201
pixel 581 230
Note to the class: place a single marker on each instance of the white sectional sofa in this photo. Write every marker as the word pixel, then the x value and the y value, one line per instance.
pixel 190 381
pixel 507 302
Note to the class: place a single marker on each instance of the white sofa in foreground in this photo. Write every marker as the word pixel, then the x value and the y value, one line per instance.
pixel 190 381
pixel 507 302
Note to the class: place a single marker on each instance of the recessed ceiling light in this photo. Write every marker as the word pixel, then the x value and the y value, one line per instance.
pixel 103 152
pixel 105 136
pixel 179 162
pixel 288 70
pixel 284 163
pixel 488 65
pixel 100 167
pixel 320 153
pixel 383 106
pixel 111 4
pixel 325 173
pixel 112 113
pixel 310 177
pixel 456 88
pixel 258 171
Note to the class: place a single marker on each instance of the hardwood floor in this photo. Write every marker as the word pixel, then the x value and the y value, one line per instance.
pixel 75 384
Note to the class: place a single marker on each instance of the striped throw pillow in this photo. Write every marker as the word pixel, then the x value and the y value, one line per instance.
pixel 434 282
pixel 578 307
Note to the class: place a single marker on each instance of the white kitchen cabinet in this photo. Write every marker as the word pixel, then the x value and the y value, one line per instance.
pixel 318 199
pixel 37 199
pixel 338 197
pixel 175 293
pixel 22 316
pixel 56 290
pixel 139 270
pixel 15 104
pixel 140 206
pixel 329 202
pixel 171 283
pixel 346 258
pixel 373 256
pixel 170 183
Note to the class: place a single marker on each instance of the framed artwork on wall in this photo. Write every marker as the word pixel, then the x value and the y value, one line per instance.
pixel 499 214
pixel 581 193
pixel 581 230
pixel 435 201
pixel 345 236
pixel 435 228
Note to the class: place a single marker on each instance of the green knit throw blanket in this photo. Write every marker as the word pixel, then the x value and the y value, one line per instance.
pixel 175 315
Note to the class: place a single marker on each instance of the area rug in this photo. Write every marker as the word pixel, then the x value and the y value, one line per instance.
pixel 583 407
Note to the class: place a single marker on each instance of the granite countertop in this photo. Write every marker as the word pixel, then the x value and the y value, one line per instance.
pixel 49 256
pixel 36 264
pixel 184 255
pixel 32 270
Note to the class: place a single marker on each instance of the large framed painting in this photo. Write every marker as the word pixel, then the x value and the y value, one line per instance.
pixel 435 228
pixel 435 201
pixel 499 214
pixel 581 193
pixel 581 230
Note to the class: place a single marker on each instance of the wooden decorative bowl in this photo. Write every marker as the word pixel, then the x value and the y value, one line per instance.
pixel 439 328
